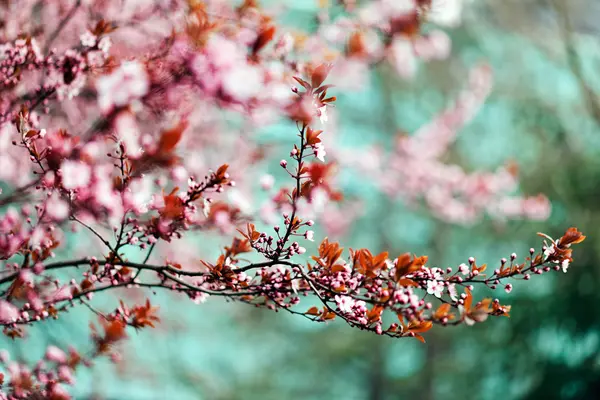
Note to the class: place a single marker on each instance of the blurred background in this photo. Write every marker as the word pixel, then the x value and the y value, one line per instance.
pixel 544 112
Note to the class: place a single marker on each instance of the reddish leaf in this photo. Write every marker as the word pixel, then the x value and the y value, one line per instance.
pixel 571 236
pixel 174 206
pixel 319 74
pixel 356 45
pixel 170 137
pixel 313 311
pixel 312 137
pixel 265 36
pixel 407 282
pixel 302 82
pixel 420 327
pixel 420 338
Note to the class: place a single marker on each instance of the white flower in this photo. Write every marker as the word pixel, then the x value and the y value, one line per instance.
pixel 344 303
pixel 452 292
pixel 565 265
pixel 309 235
pixel 267 181
pixel 56 208
pixel 391 263
pixel 464 269
pixel 414 300
pixel 240 200
pixel 322 114
pixel 8 312
pixel 295 286
pixel 126 84
pixel 402 57
pixel 129 134
pixel 243 82
pixel 104 44
pixel 549 251
pixel 320 152
pixel 139 193
pixel 201 298
pixel 88 39
pixel 75 174
pixel 435 288
pixel 447 13
pixel 469 321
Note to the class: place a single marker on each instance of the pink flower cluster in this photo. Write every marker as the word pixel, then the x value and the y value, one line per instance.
pixel 415 170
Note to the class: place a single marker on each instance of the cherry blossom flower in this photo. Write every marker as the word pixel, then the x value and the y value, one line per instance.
pixel 127 83
pixel 403 58
pixel 344 303
pixel 56 355
pixel 322 114
pixel 88 39
pixel 464 269
pixel 565 265
pixel 435 288
pixel 8 312
pixel 446 13
pixel 75 174
pixel 267 181
pixel 320 152
pixel 56 209
pixel 309 235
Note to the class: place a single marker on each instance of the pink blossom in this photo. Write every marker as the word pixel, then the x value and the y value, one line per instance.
pixel 243 82
pixel 453 292
pixel 284 45
pixel 129 133
pixel 267 181
pixel 223 53
pixel 88 39
pixel 223 222
pixel 435 46
pixel 62 293
pixel 138 194
pixel 56 355
pixel 65 374
pixel 104 44
pixel 447 13
pixel 59 392
pixel 464 269
pixel 377 11
pixel 201 298
pixel 127 83
pixel 8 312
pixel 75 174
pixel 350 74
pixel 309 235
pixel 344 303
pixel 402 57
pixel 322 114
pixel 56 209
